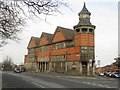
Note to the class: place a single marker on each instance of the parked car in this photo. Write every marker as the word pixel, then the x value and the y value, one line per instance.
pixel 109 74
pixel 101 74
pixel 17 70
pixel 115 75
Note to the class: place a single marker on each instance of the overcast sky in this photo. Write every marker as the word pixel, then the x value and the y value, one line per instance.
pixel 104 15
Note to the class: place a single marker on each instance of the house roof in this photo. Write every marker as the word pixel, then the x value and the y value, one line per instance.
pixel 36 39
pixel 68 33
pixel 84 21
pixel 48 36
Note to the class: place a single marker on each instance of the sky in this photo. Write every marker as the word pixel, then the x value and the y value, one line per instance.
pixel 104 15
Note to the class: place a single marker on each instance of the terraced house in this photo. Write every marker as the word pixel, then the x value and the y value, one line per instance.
pixel 66 51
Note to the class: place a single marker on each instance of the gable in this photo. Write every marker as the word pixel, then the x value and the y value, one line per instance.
pixel 58 37
pixel 31 44
pixel 43 41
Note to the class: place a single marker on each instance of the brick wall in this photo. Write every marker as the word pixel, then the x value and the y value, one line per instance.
pixel 43 41
pixel 31 43
pixel 58 37
pixel 84 40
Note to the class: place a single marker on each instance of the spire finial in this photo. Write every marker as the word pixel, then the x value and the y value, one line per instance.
pixel 84 4
pixel 84 10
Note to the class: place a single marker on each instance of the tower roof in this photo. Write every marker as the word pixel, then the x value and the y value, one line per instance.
pixel 84 10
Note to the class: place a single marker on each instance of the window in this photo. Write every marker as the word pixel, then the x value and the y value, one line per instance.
pixel 84 47
pixel 90 30
pixel 84 29
pixel 64 45
pixel 53 47
pixel 56 46
pixel 91 51
pixel 83 51
pixel 77 30
pixel 45 48
pixel 59 46
pixel 31 59
pixel 92 48
pixel 30 51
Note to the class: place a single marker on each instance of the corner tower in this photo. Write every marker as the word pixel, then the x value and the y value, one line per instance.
pixel 84 38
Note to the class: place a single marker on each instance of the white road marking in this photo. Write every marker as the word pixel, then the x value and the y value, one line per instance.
pixel 94 84
pixel 88 83
pixel 107 86
pixel 100 85
pixel 84 82
pixel 38 85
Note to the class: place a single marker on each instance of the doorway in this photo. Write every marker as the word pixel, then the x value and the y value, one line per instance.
pixel 84 68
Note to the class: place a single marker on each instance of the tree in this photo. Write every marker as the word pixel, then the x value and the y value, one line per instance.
pixel 12 12
pixel 117 61
pixel 7 64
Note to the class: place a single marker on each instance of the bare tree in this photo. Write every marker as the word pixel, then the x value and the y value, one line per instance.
pixel 7 60
pixel 11 18
pixel 7 63
pixel 10 23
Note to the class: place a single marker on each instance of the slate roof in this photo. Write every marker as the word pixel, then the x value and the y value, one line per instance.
pixel 36 39
pixel 68 34
pixel 84 21
pixel 84 11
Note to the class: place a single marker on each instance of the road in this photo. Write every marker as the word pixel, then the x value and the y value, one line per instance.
pixel 37 80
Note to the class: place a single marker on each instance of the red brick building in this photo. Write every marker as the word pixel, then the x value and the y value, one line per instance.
pixel 108 68
pixel 66 51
